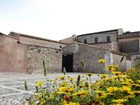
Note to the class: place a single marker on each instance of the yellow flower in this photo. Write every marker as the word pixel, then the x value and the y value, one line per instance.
pixel 66 89
pixel 89 74
pixel 101 61
pixel 81 92
pixel 117 73
pixel 135 85
pixel 71 79
pixel 131 69
pixel 103 75
pixel 39 83
pixel 72 103
pixel 61 77
pixel 119 101
pixel 112 89
pixel 63 84
pixel 112 67
pixel 125 88
pixel 130 92
pixel 101 94
pixel 137 92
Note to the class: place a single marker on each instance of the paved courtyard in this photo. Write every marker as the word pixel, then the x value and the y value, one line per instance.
pixel 12 91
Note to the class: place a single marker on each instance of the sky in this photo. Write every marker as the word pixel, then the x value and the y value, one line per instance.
pixel 59 19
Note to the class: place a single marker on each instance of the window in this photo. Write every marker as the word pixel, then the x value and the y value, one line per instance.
pixel 108 39
pixel 96 40
pixel 85 41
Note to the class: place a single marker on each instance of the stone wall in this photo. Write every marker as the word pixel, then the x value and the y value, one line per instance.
pixel 51 56
pixel 119 60
pixel 85 58
pixel 130 45
pixel 135 59
pixel 110 46
pixel 89 56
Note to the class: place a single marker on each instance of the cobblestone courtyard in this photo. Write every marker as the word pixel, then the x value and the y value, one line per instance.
pixel 12 91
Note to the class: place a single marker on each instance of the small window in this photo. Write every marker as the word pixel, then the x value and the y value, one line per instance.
pixel 96 40
pixel 108 39
pixel 85 41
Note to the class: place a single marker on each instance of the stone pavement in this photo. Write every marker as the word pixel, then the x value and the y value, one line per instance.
pixel 12 91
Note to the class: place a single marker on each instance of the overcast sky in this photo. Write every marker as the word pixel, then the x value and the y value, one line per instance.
pixel 58 19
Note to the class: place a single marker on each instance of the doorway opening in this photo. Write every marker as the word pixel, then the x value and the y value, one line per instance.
pixel 67 62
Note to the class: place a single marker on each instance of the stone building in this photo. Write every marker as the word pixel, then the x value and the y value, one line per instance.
pixel 79 57
pixel 25 53
pixel 129 43
pixel 115 40
pixel 104 39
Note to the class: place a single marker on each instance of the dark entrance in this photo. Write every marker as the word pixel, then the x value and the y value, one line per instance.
pixel 67 62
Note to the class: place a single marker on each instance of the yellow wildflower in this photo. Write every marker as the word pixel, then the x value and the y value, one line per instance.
pixel 138 81
pixel 101 94
pixel 63 84
pixel 119 101
pixel 101 61
pixel 39 83
pixel 112 67
pixel 125 88
pixel 81 92
pixel 112 89
pixel 117 73
pixel 137 92
pixel 72 103
pixel 66 89
pixel 103 75
pixel 89 74
pixel 61 77
pixel 131 69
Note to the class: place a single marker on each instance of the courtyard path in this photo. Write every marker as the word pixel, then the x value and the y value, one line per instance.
pixel 12 91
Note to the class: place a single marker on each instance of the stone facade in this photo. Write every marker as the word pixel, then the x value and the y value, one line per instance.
pixel 36 55
pixel 129 43
pixel 115 40
pixel 24 53
pixel 85 58
pixel 107 39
